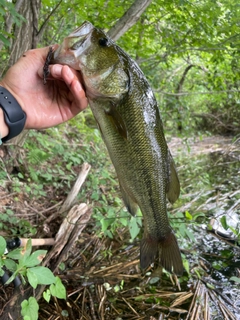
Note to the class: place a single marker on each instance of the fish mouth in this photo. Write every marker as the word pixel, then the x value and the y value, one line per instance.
pixel 83 30
pixel 74 42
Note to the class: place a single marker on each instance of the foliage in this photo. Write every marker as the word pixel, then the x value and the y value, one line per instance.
pixel 7 9
pixel 169 38
pixel 189 53
pixel 25 263
pixel 17 226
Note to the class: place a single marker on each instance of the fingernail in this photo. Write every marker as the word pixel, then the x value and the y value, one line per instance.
pixel 56 70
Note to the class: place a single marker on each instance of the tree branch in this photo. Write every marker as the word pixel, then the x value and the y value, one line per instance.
pixel 44 25
pixel 129 18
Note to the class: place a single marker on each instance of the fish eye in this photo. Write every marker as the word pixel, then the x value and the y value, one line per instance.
pixel 103 42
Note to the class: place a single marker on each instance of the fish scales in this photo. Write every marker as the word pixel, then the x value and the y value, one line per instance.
pixel 126 111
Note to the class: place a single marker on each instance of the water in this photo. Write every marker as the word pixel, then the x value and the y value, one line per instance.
pixel 209 172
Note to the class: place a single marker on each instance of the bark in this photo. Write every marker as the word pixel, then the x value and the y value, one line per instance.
pixel 25 35
pixel 130 17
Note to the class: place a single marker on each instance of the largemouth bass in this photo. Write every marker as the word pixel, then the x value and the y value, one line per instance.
pixel 126 111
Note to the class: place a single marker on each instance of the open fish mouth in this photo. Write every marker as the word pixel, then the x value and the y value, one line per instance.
pixel 75 43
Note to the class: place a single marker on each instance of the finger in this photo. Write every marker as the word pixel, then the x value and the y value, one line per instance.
pixel 71 78
pixel 56 71
pixel 47 55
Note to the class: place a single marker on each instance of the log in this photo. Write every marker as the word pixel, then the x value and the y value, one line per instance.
pixel 72 196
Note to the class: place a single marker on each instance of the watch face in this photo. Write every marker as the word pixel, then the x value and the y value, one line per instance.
pixel 14 116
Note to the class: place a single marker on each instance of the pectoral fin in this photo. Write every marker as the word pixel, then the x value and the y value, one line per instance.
pixel 173 187
pixel 131 206
pixel 117 120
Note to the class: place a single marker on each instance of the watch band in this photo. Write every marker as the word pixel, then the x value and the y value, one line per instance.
pixel 14 115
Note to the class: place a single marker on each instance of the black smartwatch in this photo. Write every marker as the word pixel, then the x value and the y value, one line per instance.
pixel 14 115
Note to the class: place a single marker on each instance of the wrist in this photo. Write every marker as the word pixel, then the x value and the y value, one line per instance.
pixel 4 130
pixel 12 117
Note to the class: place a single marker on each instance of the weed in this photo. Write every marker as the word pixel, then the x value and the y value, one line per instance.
pixel 24 263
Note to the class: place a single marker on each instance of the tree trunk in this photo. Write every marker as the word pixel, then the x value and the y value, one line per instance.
pixel 25 34
pixel 25 38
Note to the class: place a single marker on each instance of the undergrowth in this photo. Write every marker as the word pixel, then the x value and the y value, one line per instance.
pixel 47 168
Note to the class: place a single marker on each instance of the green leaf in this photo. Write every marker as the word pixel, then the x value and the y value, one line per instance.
pixel 27 249
pixel 188 215
pixel 15 254
pixel 236 279
pixel 124 221
pixel 223 221
pixel 65 313
pixel 32 278
pixel 3 245
pixel 1 272
pixel 20 175
pixel 186 265
pixel 13 276
pixel 106 223
pixel 57 289
pixel 154 280
pixel 47 295
pixel 43 274
pixel 35 258
pixel 190 234
pixel 234 231
pixel 4 40
pixel 30 309
pixel 134 227
pixel 10 265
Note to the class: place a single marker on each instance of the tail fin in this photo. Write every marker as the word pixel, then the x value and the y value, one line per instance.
pixel 170 256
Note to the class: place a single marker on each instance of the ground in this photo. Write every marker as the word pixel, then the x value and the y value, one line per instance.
pixel 102 275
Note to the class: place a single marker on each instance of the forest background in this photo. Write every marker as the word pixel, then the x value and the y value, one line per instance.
pixel 189 52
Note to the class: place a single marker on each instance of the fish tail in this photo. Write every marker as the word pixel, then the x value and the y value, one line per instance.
pixel 169 253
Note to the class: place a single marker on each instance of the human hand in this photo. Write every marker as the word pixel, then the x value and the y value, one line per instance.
pixel 45 105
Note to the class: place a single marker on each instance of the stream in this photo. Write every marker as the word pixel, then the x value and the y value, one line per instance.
pixel 209 172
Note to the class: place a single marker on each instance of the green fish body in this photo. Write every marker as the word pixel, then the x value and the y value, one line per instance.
pixel 126 111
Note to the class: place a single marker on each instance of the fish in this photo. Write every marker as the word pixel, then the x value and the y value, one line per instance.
pixel 129 120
